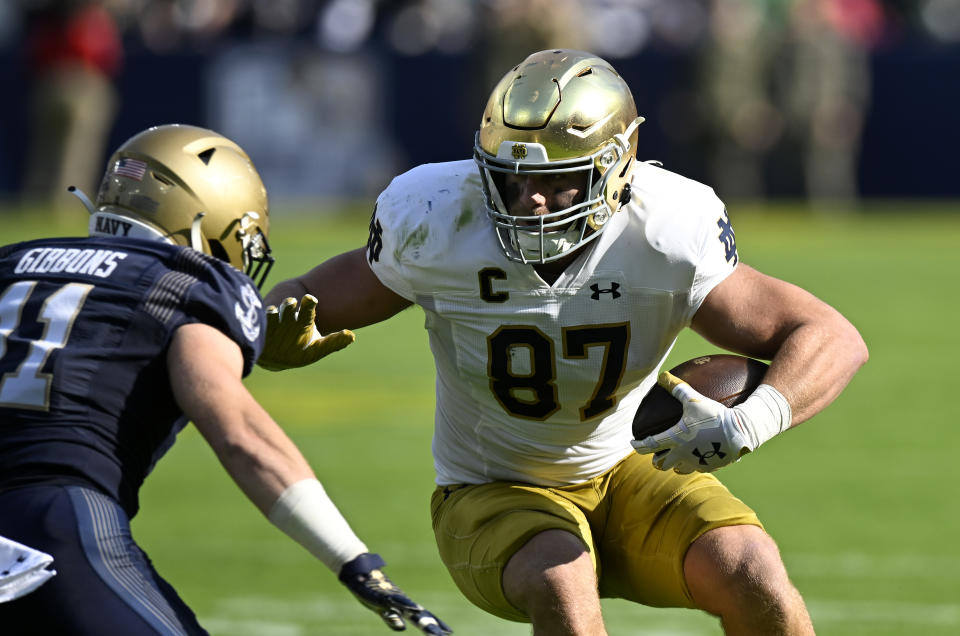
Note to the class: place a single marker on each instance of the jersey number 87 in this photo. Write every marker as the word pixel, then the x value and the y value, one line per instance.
pixel 533 394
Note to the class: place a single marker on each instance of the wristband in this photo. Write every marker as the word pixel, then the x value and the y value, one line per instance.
pixel 306 514
pixel 360 567
pixel 764 414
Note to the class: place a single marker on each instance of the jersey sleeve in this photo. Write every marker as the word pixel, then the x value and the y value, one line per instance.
pixel 394 224
pixel 717 255
pixel 222 297
pixel 382 260
pixel 688 224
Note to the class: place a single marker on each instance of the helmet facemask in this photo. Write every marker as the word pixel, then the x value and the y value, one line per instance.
pixel 257 255
pixel 257 259
pixel 548 237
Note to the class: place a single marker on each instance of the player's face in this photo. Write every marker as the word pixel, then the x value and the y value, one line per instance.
pixel 536 195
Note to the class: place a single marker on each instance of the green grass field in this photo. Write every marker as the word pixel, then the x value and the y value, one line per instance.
pixel 864 499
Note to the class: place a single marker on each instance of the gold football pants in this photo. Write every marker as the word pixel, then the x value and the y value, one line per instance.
pixel 636 521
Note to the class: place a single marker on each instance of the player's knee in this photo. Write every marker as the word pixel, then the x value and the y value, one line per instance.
pixel 551 566
pixel 738 569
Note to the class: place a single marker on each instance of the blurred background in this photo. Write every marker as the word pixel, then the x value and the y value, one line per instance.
pixel 815 100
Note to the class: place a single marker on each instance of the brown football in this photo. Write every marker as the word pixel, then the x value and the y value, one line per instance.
pixel 726 378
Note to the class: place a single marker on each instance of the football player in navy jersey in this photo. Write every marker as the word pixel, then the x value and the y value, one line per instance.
pixel 555 271
pixel 108 346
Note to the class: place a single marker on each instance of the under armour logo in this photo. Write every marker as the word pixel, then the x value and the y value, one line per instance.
pixel 612 290
pixel 703 457
pixel 375 239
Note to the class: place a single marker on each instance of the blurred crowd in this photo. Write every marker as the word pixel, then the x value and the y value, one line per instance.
pixel 614 28
pixel 776 88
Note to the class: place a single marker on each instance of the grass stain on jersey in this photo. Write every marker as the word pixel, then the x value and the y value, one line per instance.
pixel 411 244
pixel 470 192
pixel 464 218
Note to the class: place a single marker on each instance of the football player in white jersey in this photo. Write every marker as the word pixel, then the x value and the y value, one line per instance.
pixel 555 280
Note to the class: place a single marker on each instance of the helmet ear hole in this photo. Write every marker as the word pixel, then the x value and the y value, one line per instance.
pixel 217 250
pixel 206 155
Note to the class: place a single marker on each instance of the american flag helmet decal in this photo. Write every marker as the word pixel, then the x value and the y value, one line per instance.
pixel 130 168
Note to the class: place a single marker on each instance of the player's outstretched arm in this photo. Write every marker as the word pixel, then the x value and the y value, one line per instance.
pixel 293 339
pixel 349 295
pixel 205 369
pixel 338 295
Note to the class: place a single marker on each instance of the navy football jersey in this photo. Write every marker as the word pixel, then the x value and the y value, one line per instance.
pixel 84 327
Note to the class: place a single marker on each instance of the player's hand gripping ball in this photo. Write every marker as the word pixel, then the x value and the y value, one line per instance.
pixel 725 378
pixel 687 421
pixel 293 339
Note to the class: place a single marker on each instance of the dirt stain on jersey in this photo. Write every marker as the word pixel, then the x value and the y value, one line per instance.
pixel 410 245
pixel 464 218
pixel 468 196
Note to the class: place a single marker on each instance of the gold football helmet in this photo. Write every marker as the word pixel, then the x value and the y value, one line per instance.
pixel 189 186
pixel 557 111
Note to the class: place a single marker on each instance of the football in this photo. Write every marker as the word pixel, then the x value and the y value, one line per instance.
pixel 726 378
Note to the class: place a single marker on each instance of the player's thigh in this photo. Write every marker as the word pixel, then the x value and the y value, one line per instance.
pixel 104 584
pixel 654 518
pixel 479 527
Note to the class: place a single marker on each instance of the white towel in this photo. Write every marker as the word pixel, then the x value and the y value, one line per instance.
pixel 22 569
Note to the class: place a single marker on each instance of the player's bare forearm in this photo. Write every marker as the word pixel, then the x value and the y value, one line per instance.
pixel 814 351
pixel 290 288
pixel 258 456
pixel 815 363
pixel 205 368
pixel 349 294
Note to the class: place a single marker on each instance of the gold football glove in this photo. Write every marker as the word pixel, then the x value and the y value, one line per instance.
pixel 293 339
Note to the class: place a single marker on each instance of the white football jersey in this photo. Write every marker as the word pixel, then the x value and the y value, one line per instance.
pixel 539 383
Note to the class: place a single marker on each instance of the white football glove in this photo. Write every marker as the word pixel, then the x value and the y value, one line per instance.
pixel 711 435
pixel 292 338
